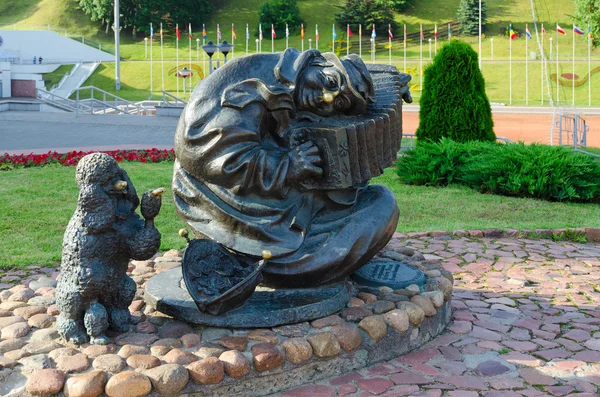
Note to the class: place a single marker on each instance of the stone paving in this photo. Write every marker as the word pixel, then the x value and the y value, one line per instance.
pixel 525 323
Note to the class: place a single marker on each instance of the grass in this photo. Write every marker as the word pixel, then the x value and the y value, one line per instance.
pixel 135 77
pixel 54 78
pixel 43 200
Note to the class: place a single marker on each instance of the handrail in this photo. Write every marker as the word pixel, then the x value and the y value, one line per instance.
pixel 59 101
pixel 178 100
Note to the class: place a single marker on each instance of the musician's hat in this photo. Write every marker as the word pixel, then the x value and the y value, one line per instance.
pixel 358 79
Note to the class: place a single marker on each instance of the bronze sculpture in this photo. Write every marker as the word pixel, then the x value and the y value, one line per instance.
pixel 93 291
pixel 275 151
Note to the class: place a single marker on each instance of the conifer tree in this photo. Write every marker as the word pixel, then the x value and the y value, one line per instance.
pixel 468 16
pixel 453 101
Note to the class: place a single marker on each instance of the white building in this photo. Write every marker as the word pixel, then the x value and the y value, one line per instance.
pixel 20 75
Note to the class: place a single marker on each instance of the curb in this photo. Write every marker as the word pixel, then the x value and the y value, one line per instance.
pixel 591 234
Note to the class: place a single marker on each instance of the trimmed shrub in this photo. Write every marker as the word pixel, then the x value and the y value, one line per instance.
pixel 551 173
pixel 453 102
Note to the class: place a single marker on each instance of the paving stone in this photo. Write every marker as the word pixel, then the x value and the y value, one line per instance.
pixel 491 368
pixel 520 346
pixel 174 329
pixel 41 320
pixel 234 342
pixel 145 327
pixel 181 357
pixel 577 335
pixel 408 378
pixel 298 350
pixel 311 391
pixel 127 350
pixel 235 363
pixel 45 382
pixel 143 361
pixel 208 371
pixel 128 384
pixel 168 379
pixel 6 321
pixel 324 344
pixel 534 377
pixel 74 363
pixel 190 340
pixel 375 385
pixel 552 354
pixel 110 363
pixel 461 327
pixel 16 330
pixel 588 356
pixel 482 333
pixel 90 384
pixel 27 311
pixel 465 382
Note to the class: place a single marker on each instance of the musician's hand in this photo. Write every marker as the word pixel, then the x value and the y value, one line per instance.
pixel 304 162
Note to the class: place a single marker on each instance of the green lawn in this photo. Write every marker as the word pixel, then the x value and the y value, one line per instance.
pixel 54 78
pixel 43 199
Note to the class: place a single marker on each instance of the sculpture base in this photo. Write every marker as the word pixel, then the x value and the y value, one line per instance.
pixel 266 307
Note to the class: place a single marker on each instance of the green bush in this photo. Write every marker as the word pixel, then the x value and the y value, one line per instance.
pixel 453 102
pixel 551 173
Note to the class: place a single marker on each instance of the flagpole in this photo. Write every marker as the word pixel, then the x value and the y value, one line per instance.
pixel 317 37
pixel 203 52
pixel 404 71
pixel 333 39
pixel 526 66
pixel 435 39
pixel 449 32
pixel 232 41
pixel 272 38
pixel 589 67
pixel 390 43
pixel 573 75
pixel 348 40
pixel 151 37
pixel 177 57
pixel 360 40
pixel 557 76
pixel 421 57
pixel 162 61
pixel 286 36
pixel 479 34
pixel 246 39
pixel 302 34
pixel 190 43
pixel 510 65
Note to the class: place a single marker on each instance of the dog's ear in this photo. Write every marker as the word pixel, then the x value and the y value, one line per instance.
pixel 96 209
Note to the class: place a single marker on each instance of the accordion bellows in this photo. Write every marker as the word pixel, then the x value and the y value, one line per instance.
pixel 357 148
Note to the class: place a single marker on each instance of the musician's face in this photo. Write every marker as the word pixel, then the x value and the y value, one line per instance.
pixel 323 91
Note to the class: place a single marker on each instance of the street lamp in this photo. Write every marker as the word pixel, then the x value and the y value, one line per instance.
pixel 146 46
pixel 210 48
pixel 225 49
pixel 184 74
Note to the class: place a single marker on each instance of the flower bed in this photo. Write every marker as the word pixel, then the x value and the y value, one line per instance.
pixel 12 161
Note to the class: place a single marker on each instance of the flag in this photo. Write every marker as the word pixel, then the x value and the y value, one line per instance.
pixel 161 31
pixel 177 33
pixel 203 31
pixel 590 32
pixel 218 33
pixel 577 30
pixel 287 31
pixel 349 31
pixel 190 30
pixel 527 32
pixel 273 35
pixel 543 29
pixel 233 35
pixel 334 34
pixel 151 30
pixel 560 30
pixel 317 32
pixel 511 33
pixel 260 35
pixel 435 32
pixel 360 31
pixel 302 31
pixel 247 32
pixel 373 33
pixel 390 35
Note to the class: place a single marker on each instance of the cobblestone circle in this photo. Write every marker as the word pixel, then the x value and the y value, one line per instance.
pixel 525 322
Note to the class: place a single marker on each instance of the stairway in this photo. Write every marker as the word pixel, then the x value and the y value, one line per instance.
pixel 75 79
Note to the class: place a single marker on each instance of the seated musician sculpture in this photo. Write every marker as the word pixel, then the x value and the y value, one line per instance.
pixel 250 175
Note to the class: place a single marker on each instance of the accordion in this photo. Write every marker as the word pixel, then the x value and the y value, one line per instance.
pixel 355 149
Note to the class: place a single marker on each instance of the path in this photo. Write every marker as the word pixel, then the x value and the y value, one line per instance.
pixel 526 323
pixel 76 79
